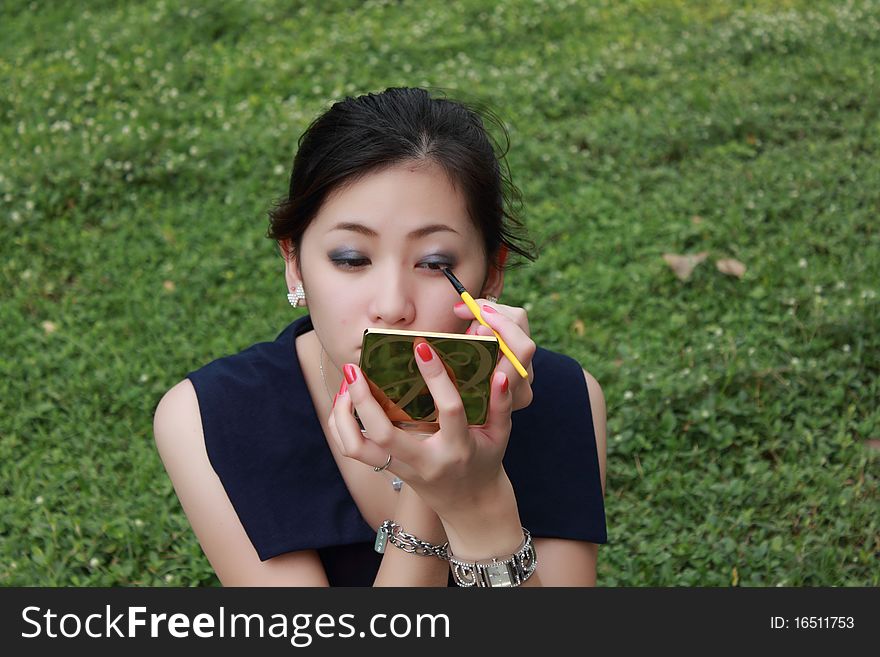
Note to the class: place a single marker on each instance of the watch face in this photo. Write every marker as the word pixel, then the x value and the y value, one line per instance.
pixel 499 575
pixel 512 571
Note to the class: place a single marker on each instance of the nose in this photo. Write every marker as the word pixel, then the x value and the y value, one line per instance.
pixel 393 303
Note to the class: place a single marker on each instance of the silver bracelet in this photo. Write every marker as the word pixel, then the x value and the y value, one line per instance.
pixel 510 570
pixel 391 532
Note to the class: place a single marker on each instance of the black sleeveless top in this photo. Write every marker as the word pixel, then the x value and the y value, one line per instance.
pixel 267 446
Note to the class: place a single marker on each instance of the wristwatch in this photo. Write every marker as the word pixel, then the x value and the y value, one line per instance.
pixel 511 570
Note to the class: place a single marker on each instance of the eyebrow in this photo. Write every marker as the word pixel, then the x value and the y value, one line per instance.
pixel 414 235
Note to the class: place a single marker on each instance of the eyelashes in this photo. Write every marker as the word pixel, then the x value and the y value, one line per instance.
pixel 353 264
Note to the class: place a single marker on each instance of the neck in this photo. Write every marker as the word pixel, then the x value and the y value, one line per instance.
pixel 332 377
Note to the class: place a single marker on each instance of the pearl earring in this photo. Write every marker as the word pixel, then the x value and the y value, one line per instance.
pixel 295 296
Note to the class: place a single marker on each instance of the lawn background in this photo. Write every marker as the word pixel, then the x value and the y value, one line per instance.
pixel 144 142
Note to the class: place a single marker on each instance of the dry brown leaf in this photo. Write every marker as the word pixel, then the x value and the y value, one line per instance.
pixel 168 285
pixel 683 265
pixel 873 443
pixel 731 267
pixel 578 327
pixel 696 220
pixel 49 327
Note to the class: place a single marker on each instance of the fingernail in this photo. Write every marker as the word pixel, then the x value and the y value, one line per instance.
pixel 342 388
pixel 335 397
pixel 468 330
pixel 424 352
pixel 350 373
pixel 504 384
pixel 488 309
pixel 460 305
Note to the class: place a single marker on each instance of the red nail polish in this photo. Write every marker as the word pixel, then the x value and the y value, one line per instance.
pixel 460 305
pixel 424 352
pixel 350 373
pixel 335 397
pixel 505 384
pixel 488 309
pixel 342 388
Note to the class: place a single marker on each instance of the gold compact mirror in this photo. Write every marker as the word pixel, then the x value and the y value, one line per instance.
pixel 388 361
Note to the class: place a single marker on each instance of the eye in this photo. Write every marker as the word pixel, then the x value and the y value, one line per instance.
pixel 434 265
pixel 351 264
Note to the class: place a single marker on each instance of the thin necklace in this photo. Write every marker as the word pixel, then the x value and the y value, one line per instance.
pixel 322 375
pixel 397 482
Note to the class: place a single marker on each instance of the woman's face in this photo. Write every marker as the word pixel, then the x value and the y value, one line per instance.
pixel 373 254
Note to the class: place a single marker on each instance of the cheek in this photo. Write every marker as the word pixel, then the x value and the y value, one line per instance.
pixel 447 321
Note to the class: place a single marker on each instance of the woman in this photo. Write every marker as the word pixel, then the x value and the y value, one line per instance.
pixel 271 468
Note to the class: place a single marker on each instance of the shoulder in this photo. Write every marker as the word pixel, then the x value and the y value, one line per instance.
pixel 554 372
pixel 579 557
pixel 597 396
pixel 176 412
pixel 597 408
pixel 231 388
pixel 177 430
pixel 244 368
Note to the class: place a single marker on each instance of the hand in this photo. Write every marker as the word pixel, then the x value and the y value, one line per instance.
pixel 512 324
pixel 451 470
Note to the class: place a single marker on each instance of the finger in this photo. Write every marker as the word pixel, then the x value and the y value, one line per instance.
pixel 331 424
pixel 447 400
pixel 498 421
pixel 522 388
pixel 521 318
pixel 517 340
pixel 377 426
pixel 478 329
pixel 352 444
pixel 517 314
pixel 361 448
pixel 461 309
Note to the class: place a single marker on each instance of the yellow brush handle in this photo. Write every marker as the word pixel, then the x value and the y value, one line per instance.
pixel 475 309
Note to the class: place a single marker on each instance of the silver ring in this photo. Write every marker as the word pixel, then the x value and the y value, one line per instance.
pixel 491 299
pixel 382 467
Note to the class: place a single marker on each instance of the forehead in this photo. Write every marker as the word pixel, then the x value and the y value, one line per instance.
pixel 399 199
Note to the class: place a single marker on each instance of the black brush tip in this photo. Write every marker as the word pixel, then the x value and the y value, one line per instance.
pixel 452 279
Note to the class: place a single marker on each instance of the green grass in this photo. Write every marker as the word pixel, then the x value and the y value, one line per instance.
pixel 143 144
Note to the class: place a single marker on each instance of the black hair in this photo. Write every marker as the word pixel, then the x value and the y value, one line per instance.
pixel 363 135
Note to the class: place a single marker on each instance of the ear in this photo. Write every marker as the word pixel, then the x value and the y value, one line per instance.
pixel 494 282
pixel 292 273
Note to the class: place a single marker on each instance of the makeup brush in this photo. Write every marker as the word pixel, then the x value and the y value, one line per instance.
pixel 469 301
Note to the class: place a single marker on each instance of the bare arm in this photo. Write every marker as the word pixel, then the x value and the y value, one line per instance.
pixel 402 569
pixel 492 526
pixel 177 429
